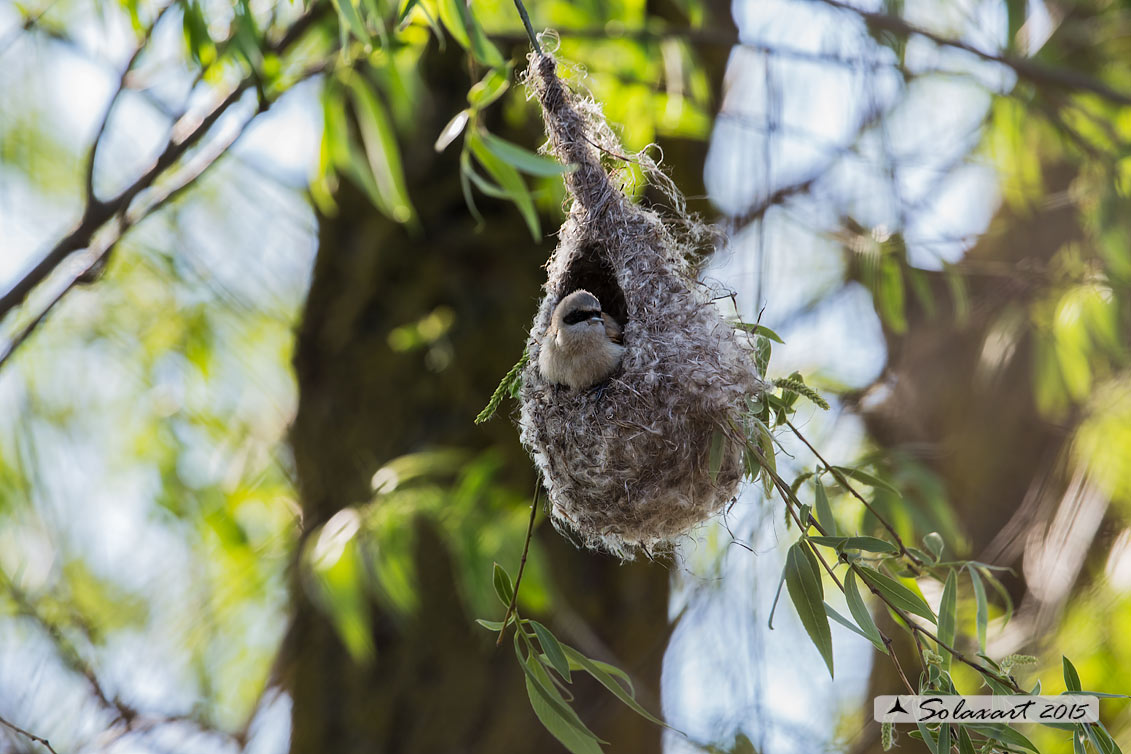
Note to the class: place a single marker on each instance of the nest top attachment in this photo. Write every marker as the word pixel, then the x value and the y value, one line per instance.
pixel 634 463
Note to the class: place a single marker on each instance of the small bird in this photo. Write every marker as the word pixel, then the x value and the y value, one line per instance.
pixel 583 345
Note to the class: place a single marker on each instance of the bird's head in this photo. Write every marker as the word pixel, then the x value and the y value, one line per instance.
pixel 577 314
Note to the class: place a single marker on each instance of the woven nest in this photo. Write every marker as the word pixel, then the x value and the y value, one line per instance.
pixel 629 466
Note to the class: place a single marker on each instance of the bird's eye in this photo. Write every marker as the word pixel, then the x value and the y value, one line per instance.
pixel 580 316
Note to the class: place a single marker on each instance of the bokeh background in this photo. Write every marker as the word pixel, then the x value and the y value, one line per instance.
pixel 243 503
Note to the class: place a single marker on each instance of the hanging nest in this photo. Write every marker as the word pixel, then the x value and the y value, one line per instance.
pixel 636 462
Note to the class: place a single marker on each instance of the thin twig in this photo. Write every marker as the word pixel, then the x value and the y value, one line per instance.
pixel 522 564
pixel 29 735
pixel 843 481
pixel 529 29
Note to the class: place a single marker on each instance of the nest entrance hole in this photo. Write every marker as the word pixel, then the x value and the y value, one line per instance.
pixel 591 270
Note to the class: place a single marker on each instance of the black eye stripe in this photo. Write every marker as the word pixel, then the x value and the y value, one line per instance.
pixel 580 316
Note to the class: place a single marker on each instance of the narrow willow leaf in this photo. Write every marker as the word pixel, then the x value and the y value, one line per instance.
pixel 1078 740
pixel 381 150
pixel 503 587
pixel 612 671
pixel 807 593
pixel 522 158
pixel 718 451
pixel 490 87
pixel 509 179
pixel 762 330
pixel 869 479
pixel 948 618
pixel 463 26
pixel 983 614
pixel 1071 677
pixel 600 674
pixel 769 464
pixel 491 625
pixel 553 650
pixel 1002 592
pixel 965 745
pixel 861 613
pixel 897 593
pixel 824 512
pixel 871 544
pixel 777 595
pixel 928 738
pixel 451 131
pixel 350 13
pixel 555 715
pixel 1005 734
pixel 944 739
pixel 842 620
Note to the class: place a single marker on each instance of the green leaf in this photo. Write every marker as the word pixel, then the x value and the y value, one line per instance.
pixel 824 512
pixel 1005 734
pixel 965 745
pixel 553 649
pixel 457 17
pixel 522 158
pixel 1078 746
pixel 491 625
pixel 838 618
pixel 350 14
pixel 871 544
pixel 503 586
pixel 555 715
pixel 382 151
pixel 762 330
pixel 718 451
pixel 777 596
pixel 601 673
pixel 896 593
pixel 934 544
pixel 983 614
pixel 509 179
pixel 490 87
pixel 807 592
pixel 861 613
pixel 869 479
pixel 948 618
pixel 929 739
pixel 1071 677
pixel 453 129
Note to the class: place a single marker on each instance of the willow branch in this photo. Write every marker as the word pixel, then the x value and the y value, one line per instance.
pixel 1026 68
pixel 29 735
pixel 97 213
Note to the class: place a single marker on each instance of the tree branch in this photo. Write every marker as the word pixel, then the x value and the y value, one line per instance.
pixel 28 735
pixel 97 213
pixel 1026 68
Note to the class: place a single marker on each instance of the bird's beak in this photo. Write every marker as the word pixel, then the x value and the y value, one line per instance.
pixel 597 318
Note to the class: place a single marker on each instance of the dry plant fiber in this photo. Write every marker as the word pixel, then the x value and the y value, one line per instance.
pixel 632 465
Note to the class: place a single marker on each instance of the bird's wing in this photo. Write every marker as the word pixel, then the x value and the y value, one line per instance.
pixel 612 329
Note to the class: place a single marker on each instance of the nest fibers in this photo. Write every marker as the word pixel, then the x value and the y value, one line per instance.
pixel 631 466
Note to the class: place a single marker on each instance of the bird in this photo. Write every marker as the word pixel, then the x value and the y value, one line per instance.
pixel 583 345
